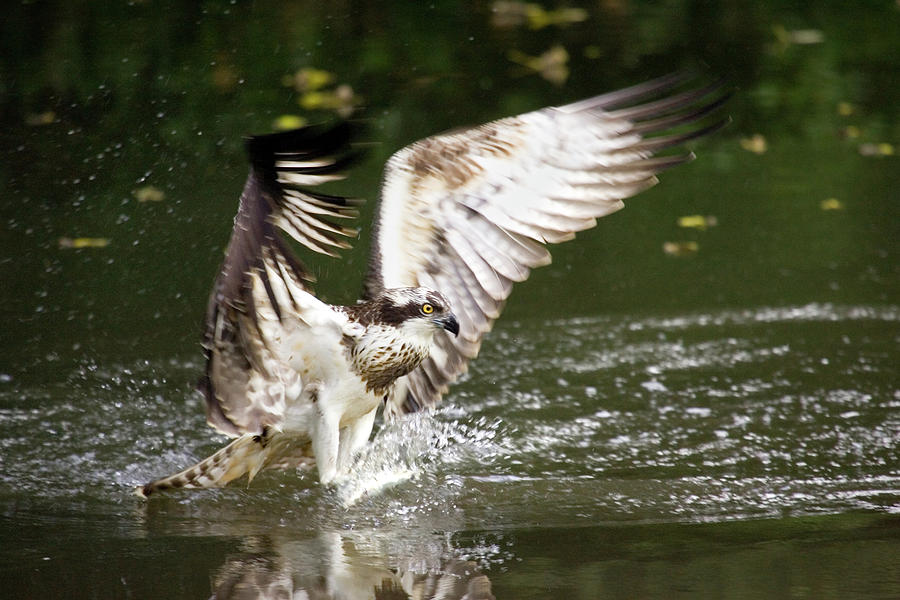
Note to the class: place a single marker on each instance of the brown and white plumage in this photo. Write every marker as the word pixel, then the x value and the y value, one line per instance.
pixel 463 216
pixel 470 212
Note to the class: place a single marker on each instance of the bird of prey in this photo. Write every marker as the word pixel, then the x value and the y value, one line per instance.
pixel 462 216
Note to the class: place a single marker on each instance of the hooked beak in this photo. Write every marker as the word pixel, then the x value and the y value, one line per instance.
pixel 449 323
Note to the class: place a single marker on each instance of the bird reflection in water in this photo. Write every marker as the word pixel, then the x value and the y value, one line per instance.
pixel 331 567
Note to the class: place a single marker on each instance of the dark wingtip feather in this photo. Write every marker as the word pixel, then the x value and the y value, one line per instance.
pixel 631 94
pixel 283 167
pixel 306 142
pixel 667 141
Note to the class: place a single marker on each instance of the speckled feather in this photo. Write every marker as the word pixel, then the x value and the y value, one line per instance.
pixel 463 216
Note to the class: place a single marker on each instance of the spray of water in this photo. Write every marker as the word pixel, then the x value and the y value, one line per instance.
pixel 404 449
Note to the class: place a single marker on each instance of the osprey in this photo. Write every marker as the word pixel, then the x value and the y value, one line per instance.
pixel 463 215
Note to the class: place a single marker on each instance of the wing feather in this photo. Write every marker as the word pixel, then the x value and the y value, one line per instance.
pixel 469 212
pixel 498 250
pixel 490 280
pixel 259 298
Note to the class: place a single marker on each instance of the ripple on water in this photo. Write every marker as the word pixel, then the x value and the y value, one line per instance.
pixel 692 417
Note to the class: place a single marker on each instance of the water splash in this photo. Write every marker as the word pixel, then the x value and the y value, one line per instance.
pixel 405 448
pixel 710 416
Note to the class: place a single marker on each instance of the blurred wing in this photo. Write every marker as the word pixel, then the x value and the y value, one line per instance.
pixel 468 213
pixel 259 296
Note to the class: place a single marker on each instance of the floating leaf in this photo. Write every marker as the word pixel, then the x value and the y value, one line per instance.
pixel 538 17
pixel 309 79
pixel 756 144
pixel 845 109
pixel 800 37
pixel 701 222
pixel 285 122
pixel 680 248
pixel 831 204
pixel 341 100
pixel 806 36
pixel 850 132
pixel 149 193
pixel 83 242
pixel 882 149
pixel 508 14
pixel 592 52
pixel 44 118
pixel 224 77
pixel 552 64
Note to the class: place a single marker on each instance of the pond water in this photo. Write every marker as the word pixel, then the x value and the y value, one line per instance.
pixel 719 423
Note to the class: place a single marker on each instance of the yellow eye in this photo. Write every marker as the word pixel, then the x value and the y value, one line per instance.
pixel 427 309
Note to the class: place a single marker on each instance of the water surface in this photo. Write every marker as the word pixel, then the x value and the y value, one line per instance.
pixel 722 424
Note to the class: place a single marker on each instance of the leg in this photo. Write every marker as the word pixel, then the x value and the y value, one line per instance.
pixel 325 443
pixel 353 438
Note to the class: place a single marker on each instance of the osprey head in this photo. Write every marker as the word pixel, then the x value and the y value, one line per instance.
pixel 416 308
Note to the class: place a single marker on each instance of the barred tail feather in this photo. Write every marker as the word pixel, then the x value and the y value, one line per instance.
pixel 246 455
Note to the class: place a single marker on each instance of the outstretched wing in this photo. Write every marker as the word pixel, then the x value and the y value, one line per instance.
pixel 468 213
pixel 260 289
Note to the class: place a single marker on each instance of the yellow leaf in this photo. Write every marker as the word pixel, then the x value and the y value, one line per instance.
pixel 845 109
pixel 285 122
pixel 507 13
pixel 552 64
pixel 342 100
pixel 149 193
pixel 882 149
pixel 309 79
pixel 700 222
pixel 785 37
pixel 781 34
pixel 851 132
pixel 83 242
pixel 756 144
pixel 807 36
pixel 539 18
pixel 44 118
pixel 831 204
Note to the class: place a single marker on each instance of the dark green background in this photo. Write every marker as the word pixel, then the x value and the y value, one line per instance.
pixel 100 345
